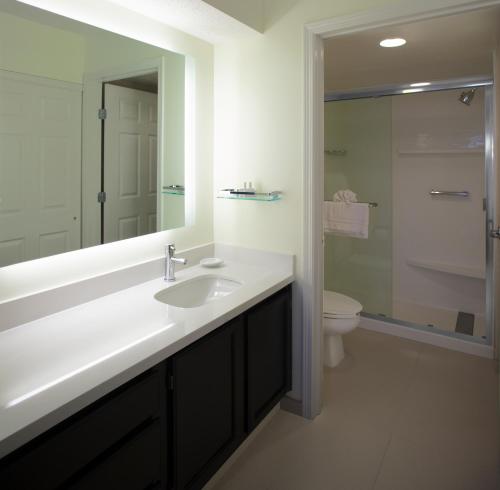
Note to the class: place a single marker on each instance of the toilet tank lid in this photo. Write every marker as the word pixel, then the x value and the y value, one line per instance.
pixel 340 304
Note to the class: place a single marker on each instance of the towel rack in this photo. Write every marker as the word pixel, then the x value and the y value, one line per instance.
pixel 434 192
pixel 370 204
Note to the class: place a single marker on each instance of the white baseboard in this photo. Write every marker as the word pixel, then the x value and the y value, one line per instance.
pixel 234 457
pixel 436 339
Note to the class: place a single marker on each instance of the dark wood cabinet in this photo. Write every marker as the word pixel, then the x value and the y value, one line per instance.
pixel 207 404
pixel 268 353
pixel 135 465
pixel 173 426
pixel 224 384
pixel 72 451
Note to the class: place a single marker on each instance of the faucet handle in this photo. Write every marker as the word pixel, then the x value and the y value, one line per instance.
pixel 170 249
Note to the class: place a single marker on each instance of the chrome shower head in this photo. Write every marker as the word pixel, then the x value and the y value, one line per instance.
pixel 466 96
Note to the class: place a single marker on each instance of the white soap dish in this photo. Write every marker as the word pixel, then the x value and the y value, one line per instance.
pixel 211 262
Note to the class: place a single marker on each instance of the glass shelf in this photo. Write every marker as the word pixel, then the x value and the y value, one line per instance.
pixel 173 190
pixel 258 196
pixel 173 193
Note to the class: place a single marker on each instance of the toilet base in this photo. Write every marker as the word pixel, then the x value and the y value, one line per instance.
pixel 333 350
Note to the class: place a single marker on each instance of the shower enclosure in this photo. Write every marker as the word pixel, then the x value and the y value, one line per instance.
pixel 424 157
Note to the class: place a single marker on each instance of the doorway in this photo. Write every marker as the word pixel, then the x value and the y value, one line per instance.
pixel 315 34
pixel 129 157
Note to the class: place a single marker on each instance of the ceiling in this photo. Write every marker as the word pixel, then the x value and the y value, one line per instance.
pixel 196 17
pixel 448 47
pixel 147 82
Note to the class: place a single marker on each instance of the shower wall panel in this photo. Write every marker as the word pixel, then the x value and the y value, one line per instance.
pixel 439 242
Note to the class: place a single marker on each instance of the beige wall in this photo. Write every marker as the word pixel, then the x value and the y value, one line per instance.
pixel 250 13
pixel 37 49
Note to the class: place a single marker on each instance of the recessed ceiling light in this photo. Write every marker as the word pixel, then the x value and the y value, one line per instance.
pixel 420 84
pixel 393 42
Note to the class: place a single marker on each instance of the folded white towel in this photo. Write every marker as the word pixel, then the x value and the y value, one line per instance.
pixel 345 195
pixel 346 219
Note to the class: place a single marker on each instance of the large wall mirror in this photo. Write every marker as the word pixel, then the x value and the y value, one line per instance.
pixel 91 136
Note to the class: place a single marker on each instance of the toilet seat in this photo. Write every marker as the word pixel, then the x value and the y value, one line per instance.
pixel 336 305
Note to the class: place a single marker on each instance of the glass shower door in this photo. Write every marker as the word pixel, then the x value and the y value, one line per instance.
pixel 358 155
pixel 421 158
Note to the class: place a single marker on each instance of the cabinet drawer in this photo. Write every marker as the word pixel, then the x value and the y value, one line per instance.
pixel 51 459
pixel 134 466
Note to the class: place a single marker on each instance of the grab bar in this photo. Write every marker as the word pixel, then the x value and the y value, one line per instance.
pixel 449 193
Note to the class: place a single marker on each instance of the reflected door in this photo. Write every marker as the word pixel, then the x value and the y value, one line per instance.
pixel 130 163
pixel 40 167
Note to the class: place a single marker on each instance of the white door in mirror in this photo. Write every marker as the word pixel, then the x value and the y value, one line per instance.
pixel 130 163
pixel 40 169
pixel 211 262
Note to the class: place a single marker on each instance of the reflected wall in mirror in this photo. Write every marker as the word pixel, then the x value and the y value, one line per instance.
pixel 91 136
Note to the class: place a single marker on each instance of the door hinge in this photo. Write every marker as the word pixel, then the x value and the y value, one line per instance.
pixel 101 197
pixel 102 114
pixel 495 233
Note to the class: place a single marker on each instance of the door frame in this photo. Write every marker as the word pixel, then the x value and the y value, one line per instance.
pixel 91 132
pixel 314 34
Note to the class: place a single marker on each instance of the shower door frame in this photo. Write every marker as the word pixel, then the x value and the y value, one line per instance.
pixel 311 282
pixel 485 82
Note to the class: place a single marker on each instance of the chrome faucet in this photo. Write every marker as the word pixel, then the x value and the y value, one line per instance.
pixel 170 262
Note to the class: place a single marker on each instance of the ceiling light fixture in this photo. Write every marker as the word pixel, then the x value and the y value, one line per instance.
pixel 393 42
pixel 420 84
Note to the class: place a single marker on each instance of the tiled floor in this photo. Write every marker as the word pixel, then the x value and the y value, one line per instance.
pixel 398 415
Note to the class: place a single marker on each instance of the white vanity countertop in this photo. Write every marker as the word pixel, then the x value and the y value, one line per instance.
pixel 52 367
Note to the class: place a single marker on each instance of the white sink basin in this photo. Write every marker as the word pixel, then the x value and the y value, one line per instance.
pixel 197 291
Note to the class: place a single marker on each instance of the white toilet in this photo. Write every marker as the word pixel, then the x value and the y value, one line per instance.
pixel 340 316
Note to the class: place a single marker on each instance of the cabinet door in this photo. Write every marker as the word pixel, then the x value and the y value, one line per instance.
pixel 268 343
pixel 207 405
